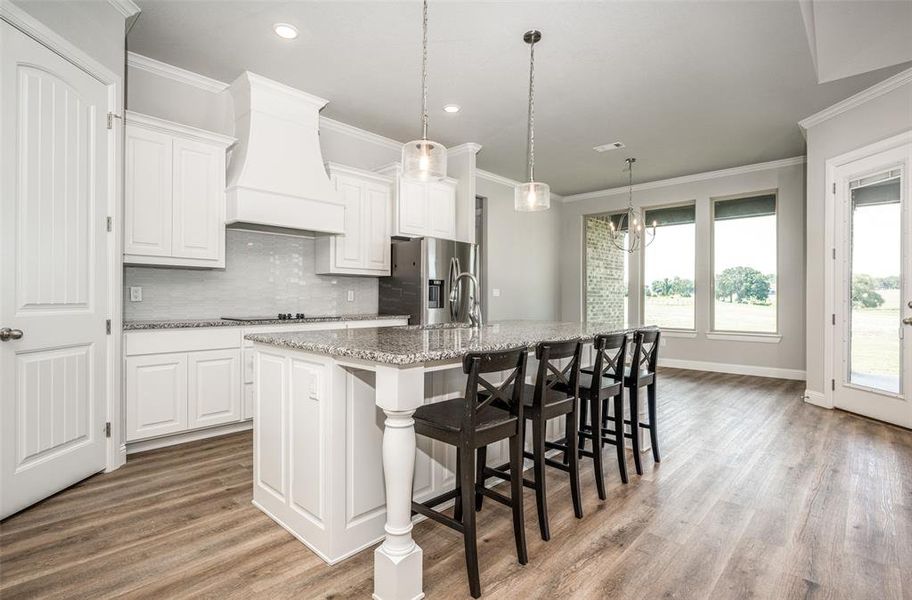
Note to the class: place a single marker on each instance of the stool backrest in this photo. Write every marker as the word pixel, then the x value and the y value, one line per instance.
pixel 646 351
pixel 550 374
pixel 610 356
pixel 507 394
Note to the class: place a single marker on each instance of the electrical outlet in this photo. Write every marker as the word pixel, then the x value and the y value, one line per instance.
pixel 135 294
pixel 351 295
pixel 495 292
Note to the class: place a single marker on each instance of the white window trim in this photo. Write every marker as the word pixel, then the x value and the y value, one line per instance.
pixel 749 336
pixel 678 333
pixel 642 269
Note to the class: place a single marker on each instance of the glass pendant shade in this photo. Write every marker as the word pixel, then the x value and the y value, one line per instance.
pixel 424 160
pixel 532 196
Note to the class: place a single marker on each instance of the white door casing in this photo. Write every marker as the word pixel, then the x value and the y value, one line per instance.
pixel 849 391
pixel 54 268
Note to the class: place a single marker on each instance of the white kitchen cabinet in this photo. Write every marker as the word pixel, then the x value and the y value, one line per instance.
pixel 364 248
pixel 156 395
pixel 214 396
pixel 174 196
pixel 423 208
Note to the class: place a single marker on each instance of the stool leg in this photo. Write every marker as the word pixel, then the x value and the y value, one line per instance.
pixel 583 415
pixel 516 495
pixel 597 445
pixel 482 460
pixel 635 428
pixel 619 437
pixel 538 452
pixel 572 442
pixel 653 421
pixel 467 491
pixel 457 504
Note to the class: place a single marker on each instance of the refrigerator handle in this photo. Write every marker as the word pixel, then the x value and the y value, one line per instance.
pixel 454 292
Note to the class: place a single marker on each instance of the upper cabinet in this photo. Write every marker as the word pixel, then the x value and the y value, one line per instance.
pixel 174 194
pixel 424 208
pixel 364 248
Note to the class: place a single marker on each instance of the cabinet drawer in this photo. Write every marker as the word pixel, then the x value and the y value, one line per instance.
pixel 181 340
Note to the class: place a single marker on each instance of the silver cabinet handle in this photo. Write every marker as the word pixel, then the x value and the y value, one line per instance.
pixel 7 334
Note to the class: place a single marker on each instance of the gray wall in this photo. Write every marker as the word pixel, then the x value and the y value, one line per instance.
pixel 521 256
pixel 789 353
pixel 877 119
pixel 264 274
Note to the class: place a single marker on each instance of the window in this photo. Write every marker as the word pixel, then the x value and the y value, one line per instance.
pixel 669 268
pixel 606 272
pixel 744 264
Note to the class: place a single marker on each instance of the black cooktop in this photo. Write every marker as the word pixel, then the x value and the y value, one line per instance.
pixel 278 317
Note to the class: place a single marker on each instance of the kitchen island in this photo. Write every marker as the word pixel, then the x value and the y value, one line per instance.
pixel 336 460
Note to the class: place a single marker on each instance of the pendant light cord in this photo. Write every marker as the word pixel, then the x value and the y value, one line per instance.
pixel 530 138
pixel 424 60
pixel 630 184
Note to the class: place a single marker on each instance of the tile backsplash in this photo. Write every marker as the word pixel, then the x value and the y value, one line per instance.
pixel 264 274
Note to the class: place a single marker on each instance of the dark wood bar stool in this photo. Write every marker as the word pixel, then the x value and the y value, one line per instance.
pixel 642 373
pixel 553 395
pixel 471 423
pixel 595 392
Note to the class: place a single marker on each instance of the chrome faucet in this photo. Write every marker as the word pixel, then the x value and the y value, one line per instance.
pixel 475 311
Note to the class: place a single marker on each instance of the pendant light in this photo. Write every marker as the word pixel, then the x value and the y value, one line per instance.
pixel 631 233
pixel 423 159
pixel 532 195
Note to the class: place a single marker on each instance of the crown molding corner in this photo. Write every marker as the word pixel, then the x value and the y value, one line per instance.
pixel 127 8
pixel 467 147
pixel 879 89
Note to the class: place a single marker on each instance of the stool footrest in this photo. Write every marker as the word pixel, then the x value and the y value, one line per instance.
pixel 441 518
pixel 432 502
pixel 505 500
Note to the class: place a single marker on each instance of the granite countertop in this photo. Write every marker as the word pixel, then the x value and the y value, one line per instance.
pixel 134 325
pixel 417 344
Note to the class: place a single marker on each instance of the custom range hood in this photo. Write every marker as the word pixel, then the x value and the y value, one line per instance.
pixel 276 177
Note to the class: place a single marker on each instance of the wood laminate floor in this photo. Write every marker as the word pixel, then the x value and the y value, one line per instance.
pixel 759 495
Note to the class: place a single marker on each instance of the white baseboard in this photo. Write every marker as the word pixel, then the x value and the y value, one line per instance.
pixel 697 365
pixel 817 399
pixel 189 436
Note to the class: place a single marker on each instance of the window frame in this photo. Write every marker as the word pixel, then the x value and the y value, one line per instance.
pixel 641 296
pixel 739 334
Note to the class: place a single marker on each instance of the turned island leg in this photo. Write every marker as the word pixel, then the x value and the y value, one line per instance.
pixel 398 560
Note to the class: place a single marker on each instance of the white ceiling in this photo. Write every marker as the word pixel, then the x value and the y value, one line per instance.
pixel 688 86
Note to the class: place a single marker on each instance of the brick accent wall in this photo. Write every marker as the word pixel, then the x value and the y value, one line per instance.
pixel 605 287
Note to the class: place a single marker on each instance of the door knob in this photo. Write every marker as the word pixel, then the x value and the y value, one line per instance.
pixel 7 334
pixel 907 321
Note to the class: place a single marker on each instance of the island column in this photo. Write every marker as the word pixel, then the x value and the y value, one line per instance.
pixel 398 560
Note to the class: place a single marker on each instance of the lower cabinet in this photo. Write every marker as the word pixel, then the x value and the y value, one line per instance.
pixel 214 396
pixel 156 395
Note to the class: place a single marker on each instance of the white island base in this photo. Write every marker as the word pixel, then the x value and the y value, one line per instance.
pixel 335 459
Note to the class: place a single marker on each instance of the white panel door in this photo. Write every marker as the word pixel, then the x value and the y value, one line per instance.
pixel 441 208
pixel 197 200
pixel 214 387
pixel 349 244
pixel 413 217
pixel 147 192
pixel 156 395
pixel 53 264
pixel 377 227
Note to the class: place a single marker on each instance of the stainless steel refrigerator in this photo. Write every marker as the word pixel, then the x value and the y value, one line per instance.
pixel 423 277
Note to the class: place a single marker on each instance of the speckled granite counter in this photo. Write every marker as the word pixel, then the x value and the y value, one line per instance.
pixel 415 344
pixel 191 323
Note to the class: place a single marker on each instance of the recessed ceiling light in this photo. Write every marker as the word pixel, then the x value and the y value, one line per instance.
pixel 451 108
pixel 284 30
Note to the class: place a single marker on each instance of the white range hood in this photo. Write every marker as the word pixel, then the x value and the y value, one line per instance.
pixel 276 176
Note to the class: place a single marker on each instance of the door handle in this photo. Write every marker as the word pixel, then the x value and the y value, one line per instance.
pixel 907 321
pixel 7 334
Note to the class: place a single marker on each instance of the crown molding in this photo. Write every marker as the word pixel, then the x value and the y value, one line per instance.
pixel 361 134
pixel 495 178
pixel 170 127
pixel 879 89
pixel 467 147
pixel 649 185
pixel 127 8
pixel 156 67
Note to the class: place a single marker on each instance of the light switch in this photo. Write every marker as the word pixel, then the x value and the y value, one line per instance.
pixel 495 292
pixel 135 294
pixel 351 295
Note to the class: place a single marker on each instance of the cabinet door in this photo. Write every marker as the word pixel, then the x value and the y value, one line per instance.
pixel 412 207
pixel 198 200
pixel 156 395
pixel 377 233
pixel 147 193
pixel 441 207
pixel 214 387
pixel 349 253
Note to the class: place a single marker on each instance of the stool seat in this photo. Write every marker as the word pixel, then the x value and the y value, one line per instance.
pixel 448 416
pixel 555 401
pixel 607 387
